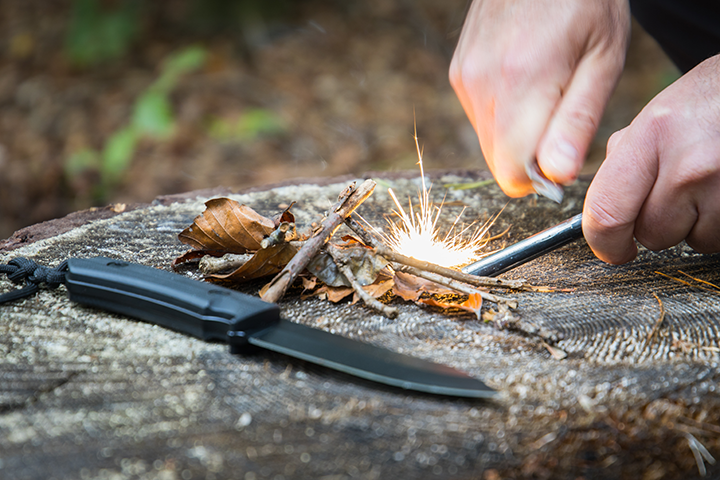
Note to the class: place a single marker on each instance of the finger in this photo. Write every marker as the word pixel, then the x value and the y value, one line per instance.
pixel 573 125
pixel 667 215
pixel 615 140
pixel 705 234
pixel 518 128
pixel 616 196
pixel 459 86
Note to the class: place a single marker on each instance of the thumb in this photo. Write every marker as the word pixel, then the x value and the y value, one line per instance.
pixel 565 143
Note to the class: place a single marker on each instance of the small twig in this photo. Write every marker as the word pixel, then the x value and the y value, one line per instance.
pixel 679 280
pixel 555 352
pixel 504 319
pixel 384 251
pixel 708 427
pixel 209 264
pixel 285 232
pixel 699 280
pixel 658 322
pixel 370 301
pixel 350 199
pixel 454 284
pixel 700 453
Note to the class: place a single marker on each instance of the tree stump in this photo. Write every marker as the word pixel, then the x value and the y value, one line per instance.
pixel 86 394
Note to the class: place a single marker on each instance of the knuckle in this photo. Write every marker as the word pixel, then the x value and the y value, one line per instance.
pixel 464 73
pixel 701 170
pixel 659 117
pixel 614 140
pixel 516 68
pixel 604 219
pixel 704 242
pixel 582 117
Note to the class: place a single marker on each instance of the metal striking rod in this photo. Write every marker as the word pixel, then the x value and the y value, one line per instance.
pixel 528 249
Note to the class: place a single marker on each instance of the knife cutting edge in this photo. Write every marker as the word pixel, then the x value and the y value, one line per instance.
pixel 212 312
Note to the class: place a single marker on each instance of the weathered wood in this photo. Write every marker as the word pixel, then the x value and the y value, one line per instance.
pixel 85 394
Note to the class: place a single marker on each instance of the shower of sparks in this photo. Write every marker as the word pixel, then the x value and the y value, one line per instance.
pixel 417 234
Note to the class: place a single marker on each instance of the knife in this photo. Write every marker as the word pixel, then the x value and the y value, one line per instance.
pixel 528 249
pixel 211 312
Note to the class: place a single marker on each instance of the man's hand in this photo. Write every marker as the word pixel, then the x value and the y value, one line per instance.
pixel 534 77
pixel 660 181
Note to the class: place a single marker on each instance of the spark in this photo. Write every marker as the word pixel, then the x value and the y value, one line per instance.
pixel 416 232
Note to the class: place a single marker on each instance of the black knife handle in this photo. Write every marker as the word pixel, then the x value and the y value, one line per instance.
pixel 200 309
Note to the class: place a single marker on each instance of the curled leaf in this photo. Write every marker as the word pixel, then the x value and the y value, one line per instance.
pixel 191 255
pixel 334 294
pixel 379 289
pixel 473 304
pixel 228 227
pixel 267 261
pixel 363 262
pixel 409 287
pixel 285 216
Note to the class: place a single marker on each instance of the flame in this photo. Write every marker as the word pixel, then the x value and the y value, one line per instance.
pixel 416 233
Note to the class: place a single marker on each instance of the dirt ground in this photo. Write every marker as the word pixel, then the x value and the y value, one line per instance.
pixel 343 78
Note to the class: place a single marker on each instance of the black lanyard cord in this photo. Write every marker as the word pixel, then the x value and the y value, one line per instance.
pixel 22 269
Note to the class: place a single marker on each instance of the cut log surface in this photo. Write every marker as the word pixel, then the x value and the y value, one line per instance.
pixel 85 394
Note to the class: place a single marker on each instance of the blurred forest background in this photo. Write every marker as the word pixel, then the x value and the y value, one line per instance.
pixel 105 101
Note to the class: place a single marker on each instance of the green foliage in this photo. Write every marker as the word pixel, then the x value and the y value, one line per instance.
pixel 96 34
pixel 117 154
pixel 177 65
pixel 80 162
pixel 152 112
pixel 252 124
pixel 152 117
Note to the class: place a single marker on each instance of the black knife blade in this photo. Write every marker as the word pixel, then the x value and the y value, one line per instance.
pixel 212 312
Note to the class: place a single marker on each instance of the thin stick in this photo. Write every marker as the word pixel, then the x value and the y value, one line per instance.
pixel 350 199
pixel 384 251
pixel 454 284
pixel 699 280
pixel 679 280
pixel 370 301
pixel 658 322
pixel 209 265
pixel 285 232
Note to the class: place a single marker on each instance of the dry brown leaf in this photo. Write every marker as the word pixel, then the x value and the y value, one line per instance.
pixel 285 216
pixel 267 261
pixel 364 263
pixel 334 294
pixel 409 287
pixel 376 290
pixel 228 227
pixel 379 289
pixel 191 255
pixel 309 282
pixel 473 304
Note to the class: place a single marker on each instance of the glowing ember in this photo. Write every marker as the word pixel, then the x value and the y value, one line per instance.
pixel 417 234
